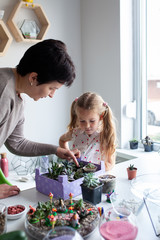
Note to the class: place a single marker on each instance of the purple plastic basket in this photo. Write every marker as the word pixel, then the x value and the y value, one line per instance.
pixel 61 188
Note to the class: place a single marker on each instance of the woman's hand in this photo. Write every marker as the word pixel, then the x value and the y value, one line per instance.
pixel 67 154
pixel 7 191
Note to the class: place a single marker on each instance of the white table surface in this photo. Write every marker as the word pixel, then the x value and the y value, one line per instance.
pixel 145 165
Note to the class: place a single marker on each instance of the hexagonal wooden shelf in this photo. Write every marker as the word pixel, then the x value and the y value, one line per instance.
pixel 36 11
pixel 5 38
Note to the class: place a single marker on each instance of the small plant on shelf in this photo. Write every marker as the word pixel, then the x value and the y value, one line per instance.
pixel 148 144
pixel 133 143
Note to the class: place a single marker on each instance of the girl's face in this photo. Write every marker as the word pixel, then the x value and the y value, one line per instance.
pixel 44 90
pixel 88 120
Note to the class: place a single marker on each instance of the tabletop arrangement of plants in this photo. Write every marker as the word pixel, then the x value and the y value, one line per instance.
pixel 64 167
pixel 78 214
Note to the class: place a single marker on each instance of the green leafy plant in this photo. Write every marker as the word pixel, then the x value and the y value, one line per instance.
pixel 79 173
pixel 65 167
pixel 56 170
pixel 131 167
pixel 134 140
pixel 91 181
pixel 90 165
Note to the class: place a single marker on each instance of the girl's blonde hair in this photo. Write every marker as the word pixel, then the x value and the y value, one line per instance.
pixel 92 101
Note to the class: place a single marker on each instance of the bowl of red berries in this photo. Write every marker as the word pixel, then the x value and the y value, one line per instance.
pixel 15 211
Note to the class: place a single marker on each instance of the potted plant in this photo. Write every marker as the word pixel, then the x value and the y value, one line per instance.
pixel 148 144
pixel 91 188
pixel 90 167
pixel 133 143
pixel 132 171
pixel 109 182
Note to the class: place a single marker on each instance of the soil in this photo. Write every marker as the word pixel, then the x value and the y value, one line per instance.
pixel 87 224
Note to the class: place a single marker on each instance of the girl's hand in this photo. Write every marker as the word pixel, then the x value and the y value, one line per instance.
pixel 66 154
pixel 76 153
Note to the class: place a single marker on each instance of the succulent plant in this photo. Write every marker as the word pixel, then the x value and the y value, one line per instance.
pixel 55 170
pixel 134 140
pixel 147 141
pixel 131 167
pixel 91 181
pixel 79 173
pixel 90 165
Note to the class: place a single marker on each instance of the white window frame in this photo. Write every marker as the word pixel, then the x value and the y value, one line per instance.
pixel 140 66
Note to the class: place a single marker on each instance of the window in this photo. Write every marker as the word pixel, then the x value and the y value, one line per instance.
pixel 146 22
pixel 153 69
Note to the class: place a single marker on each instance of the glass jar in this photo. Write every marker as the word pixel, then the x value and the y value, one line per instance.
pixel 3 218
pixel 118 223
pixel 63 233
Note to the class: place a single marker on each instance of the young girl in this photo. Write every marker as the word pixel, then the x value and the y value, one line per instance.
pixel 91 130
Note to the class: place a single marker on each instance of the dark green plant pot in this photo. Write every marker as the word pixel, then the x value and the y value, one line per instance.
pixel 148 148
pixel 92 195
pixel 133 145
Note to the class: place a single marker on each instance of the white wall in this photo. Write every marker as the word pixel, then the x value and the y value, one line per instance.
pixel 107 57
pixel 92 33
pixel 101 51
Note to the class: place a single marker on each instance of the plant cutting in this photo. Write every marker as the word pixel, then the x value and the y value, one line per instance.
pixel 133 143
pixel 132 171
pixel 91 188
pixel 148 144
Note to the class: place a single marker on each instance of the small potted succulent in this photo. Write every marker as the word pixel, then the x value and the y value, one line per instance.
pixel 148 144
pixel 109 182
pixel 91 188
pixel 133 143
pixel 132 171
pixel 90 167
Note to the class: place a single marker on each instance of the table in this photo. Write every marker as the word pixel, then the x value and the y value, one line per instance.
pixel 144 165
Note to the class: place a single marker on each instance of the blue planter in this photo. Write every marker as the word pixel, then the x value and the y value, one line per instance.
pixel 133 145
pixel 148 148
pixel 92 195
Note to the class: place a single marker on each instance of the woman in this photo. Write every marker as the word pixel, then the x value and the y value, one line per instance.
pixel 43 69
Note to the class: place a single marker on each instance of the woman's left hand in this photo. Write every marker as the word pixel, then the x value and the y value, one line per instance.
pixel 67 154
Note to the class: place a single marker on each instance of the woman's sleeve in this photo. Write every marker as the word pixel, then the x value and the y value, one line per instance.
pixel 19 145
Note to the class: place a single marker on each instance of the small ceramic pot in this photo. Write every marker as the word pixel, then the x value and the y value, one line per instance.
pixel 109 182
pixel 89 169
pixel 133 145
pixel 131 173
pixel 148 148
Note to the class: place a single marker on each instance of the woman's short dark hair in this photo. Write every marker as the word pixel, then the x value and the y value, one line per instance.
pixel 50 60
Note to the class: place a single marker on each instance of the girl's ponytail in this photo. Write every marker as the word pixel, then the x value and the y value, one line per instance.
pixel 108 134
pixel 73 116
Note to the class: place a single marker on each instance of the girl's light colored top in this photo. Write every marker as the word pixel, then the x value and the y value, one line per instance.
pixel 89 146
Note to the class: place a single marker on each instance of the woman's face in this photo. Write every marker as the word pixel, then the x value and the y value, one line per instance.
pixel 44 90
